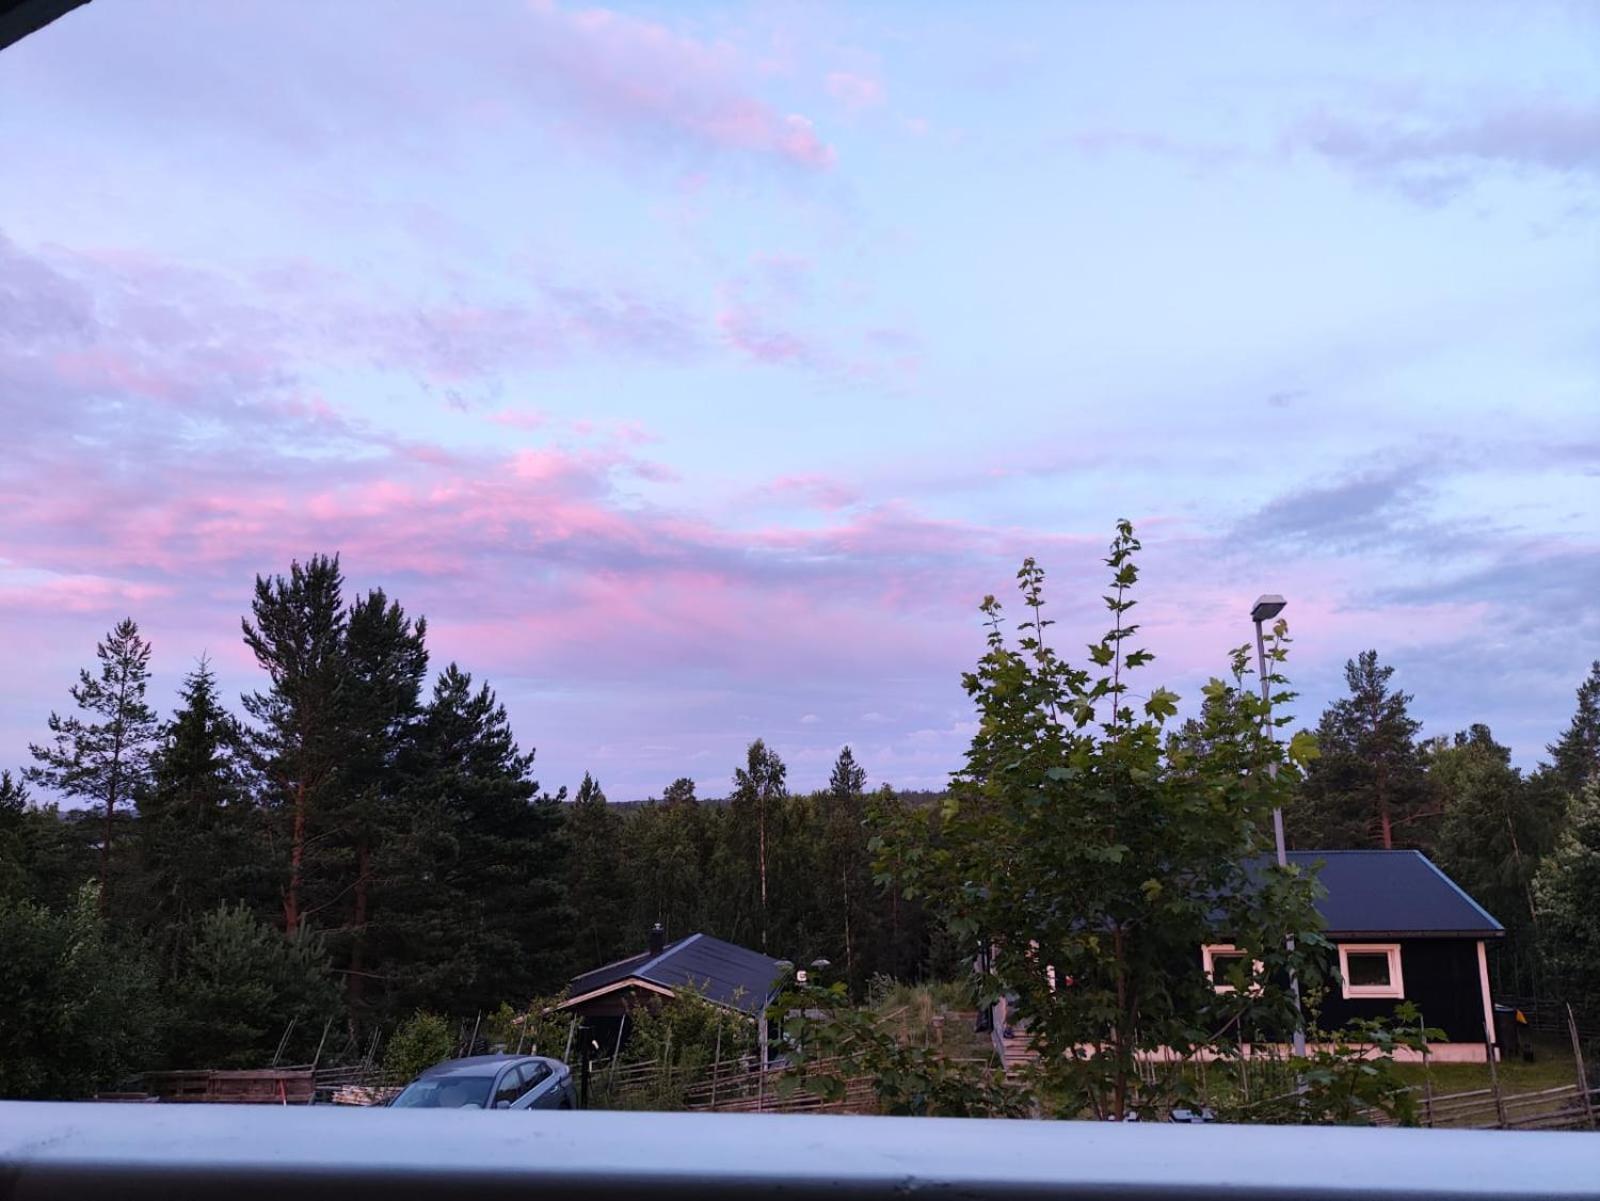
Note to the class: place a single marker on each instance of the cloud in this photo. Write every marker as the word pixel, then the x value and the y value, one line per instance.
pixel 1432 156
pixel 1359 511
pixel 638 78
pixel 855 91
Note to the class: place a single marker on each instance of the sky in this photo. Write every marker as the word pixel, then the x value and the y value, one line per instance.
pixel 697 369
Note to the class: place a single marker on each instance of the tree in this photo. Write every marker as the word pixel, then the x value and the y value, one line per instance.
pixel 848 864
pixel 385 662
pixel 199 831
pixel 598 886
pixel 1575 756
pixel 241 984
pixel 1566 888
pixel 757 787
pixel 1369 779
pixel 1091 867
pixel 106 758
pixel 77 1008
pixel 679 792
pixel 13 837
pixel 1494 831
pixel 473 910
pixel 298 639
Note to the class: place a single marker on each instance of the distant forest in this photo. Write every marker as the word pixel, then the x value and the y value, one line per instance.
pixel 355 844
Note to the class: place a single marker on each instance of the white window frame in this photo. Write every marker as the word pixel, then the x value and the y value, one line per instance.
pixel 1211 950
pixel 1395 990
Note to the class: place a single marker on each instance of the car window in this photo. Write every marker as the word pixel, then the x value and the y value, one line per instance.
pixel 537 1074
pixel 449 1092
pixel 510 1087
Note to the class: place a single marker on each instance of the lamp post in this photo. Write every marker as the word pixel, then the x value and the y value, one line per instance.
pixel 1264 610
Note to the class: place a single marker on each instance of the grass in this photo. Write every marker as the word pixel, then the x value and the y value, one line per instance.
pixel 1552 1066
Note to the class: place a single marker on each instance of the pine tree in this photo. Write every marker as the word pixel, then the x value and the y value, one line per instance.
pixel 679 792
pixel 1575 756
pixel 758 786
pixel 199 831
pixel 298 639
pixel 105 759
pixel 13 837
pixel 1369 779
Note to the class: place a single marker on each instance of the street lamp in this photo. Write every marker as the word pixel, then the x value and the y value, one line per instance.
pixel 1264 610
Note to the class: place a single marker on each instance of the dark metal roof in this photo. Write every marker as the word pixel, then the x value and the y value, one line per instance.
pixel 728 975
pixel 1393 893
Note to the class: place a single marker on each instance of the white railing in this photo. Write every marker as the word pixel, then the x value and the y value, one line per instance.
pixel 304 1153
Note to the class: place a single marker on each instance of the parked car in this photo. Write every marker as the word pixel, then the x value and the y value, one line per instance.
pixel 491 1082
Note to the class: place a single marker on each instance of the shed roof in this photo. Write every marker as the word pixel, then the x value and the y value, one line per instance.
pixel 1395 893
pixel 725 974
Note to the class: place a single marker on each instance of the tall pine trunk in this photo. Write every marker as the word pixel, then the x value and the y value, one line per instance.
pixel 297 852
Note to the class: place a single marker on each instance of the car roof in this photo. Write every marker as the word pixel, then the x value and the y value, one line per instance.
pixel 480 1065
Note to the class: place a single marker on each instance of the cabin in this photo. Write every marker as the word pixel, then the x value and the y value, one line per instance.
pixel 721 973
pixel 1403 931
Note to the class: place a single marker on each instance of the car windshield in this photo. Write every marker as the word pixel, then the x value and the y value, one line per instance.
pixel 446 1092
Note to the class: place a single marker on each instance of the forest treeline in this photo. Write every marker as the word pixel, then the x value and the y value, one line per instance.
pixel 365 837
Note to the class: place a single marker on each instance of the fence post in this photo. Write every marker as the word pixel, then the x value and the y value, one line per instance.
pixel 583 1081
pixel 1494 1075
pixel 1427 1075
pixel 1583 1078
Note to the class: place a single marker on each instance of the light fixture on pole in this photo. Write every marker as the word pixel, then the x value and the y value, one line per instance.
pixel 1264 610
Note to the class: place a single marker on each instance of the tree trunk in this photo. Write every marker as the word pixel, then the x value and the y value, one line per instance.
pixel 761 838
pixel 297 850
pixel 111 803
pixel 355 988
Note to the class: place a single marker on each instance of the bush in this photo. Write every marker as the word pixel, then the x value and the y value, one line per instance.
pixel 77 1008
pixel 422 1040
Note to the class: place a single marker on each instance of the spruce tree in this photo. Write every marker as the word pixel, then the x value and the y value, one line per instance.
pixel 848 869
pixel 474 908
pixel 598 886
pixel 385 662
pixel 103 757
pixel 1368 786
pixel 1575 756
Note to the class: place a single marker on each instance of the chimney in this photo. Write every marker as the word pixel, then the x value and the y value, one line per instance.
pixel 658 939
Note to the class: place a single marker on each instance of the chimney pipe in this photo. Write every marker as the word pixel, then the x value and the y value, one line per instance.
pixel 658 939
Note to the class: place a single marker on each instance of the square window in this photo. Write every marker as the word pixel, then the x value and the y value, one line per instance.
pixel 1220 960
pixel 1371 971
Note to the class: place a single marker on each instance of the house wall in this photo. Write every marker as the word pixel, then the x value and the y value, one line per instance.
pixel 1441 980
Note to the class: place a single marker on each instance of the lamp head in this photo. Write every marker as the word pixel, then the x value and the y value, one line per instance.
pixel 1267 607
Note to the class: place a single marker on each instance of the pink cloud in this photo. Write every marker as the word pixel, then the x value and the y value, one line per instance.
pixel 855 91
pixel 519 419
pixel 633 76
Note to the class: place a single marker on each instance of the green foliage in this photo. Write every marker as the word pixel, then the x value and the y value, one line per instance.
pixel 1496 829
pixel 537 1029
pixel 833 1042
pixel 1567 889
pixel 470 910
pixel 78 1010
pixel 240 984
pixel 1095 856
pixel 597 884
pixel 200 836
pixel 421 1041
pixel 1575 756
pixel 1348 1078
